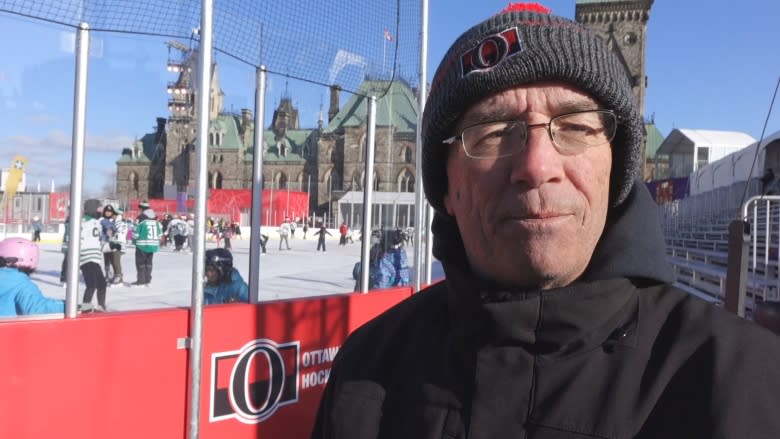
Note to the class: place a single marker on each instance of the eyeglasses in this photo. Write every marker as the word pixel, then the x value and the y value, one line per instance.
pixel 571 133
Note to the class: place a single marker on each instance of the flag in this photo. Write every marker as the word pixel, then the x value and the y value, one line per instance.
pixel 388 35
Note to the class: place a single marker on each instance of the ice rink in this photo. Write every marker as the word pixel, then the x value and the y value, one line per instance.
pixel 285 274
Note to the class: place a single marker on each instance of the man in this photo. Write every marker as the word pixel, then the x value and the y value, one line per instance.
pixel 557 317
pixel 343 229
pixel 37 227
pixel 321 239
pixel 284 233
pixel 177 231
pixel 147 236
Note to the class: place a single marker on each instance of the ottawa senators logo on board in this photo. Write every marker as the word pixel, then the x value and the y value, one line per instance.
pixel 251 383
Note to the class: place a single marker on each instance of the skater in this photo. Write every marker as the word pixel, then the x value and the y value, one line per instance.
pixel 147 243
pixel 18 293
pixel 263 241
pixel 91 258
pixel 37 226
pixel 343 230
pixel 321 240
pixel 108 235
pixel 284 232
pixel 224 283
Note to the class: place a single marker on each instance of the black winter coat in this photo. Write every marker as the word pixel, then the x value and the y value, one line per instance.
pixel 618 354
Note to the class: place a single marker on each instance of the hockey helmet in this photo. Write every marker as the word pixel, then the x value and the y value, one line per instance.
pixel 222 261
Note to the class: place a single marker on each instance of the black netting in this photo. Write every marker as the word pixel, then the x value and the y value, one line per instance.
pixel 321 42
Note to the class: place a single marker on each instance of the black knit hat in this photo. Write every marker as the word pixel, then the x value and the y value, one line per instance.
pixel 525 46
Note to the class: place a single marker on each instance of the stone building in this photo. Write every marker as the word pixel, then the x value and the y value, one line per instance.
pixel 326 161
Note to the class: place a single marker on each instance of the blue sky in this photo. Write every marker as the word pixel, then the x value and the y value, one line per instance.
pixel 712 64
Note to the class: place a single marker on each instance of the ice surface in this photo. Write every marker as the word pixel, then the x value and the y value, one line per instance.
pixel 285 274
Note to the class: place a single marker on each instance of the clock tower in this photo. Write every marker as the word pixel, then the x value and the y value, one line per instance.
pixel 623 26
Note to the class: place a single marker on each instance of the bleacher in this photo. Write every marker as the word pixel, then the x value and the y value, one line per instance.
pixel 696 230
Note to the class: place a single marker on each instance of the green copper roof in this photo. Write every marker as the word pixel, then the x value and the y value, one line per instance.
pixel 227 124
pixel 147 148
pixel 654 140
pixel 293 142
pixel 397 108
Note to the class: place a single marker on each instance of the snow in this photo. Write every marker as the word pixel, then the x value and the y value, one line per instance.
pixel 286 274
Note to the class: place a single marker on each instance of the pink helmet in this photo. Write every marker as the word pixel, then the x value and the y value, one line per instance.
pixel 24 251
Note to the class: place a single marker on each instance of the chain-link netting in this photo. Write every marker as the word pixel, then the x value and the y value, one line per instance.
pixel 329 43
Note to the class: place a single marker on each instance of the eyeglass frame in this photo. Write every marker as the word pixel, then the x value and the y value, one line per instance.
pixel 547 125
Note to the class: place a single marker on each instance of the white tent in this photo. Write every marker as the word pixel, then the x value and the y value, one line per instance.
pixel 689 150
pixel 741 165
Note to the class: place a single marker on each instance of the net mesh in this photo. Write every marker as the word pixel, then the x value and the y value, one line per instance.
pixel 328 43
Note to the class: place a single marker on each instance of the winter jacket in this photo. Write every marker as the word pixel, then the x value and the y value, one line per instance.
pixel 235 291
pixel 620 353
pixel 20 296
pixel 107 229
pixel 391 270
pixel 146 236
pixel 91 243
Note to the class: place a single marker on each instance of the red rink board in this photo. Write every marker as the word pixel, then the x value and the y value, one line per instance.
pixel 121 375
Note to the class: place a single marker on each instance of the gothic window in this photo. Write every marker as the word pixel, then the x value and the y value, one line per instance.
pixel 134 181
pixel 357 182
pixel 216 181
pixel 211 139
pixel 408 155
pixel 221 158
pixel 376 182
pixel 335 180
pixel 282 181
pixel 406 182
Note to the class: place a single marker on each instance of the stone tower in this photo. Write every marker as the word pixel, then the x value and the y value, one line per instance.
pixel 623 25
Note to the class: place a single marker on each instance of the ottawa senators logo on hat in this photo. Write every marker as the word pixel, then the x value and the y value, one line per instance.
pixel 491 52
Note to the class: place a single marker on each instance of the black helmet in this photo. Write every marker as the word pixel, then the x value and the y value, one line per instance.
pixel 222 260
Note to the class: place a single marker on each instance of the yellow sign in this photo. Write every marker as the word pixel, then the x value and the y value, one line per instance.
pixel 15 176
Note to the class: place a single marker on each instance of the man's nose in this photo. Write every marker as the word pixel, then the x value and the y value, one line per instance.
pixel 537 162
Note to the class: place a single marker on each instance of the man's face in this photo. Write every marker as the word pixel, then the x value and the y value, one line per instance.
pixel 533 219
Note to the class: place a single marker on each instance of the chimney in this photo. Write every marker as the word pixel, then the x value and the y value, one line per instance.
pixel 246 119
pixel 334 102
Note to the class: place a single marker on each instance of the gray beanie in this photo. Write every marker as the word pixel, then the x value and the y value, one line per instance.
pixel 520 47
